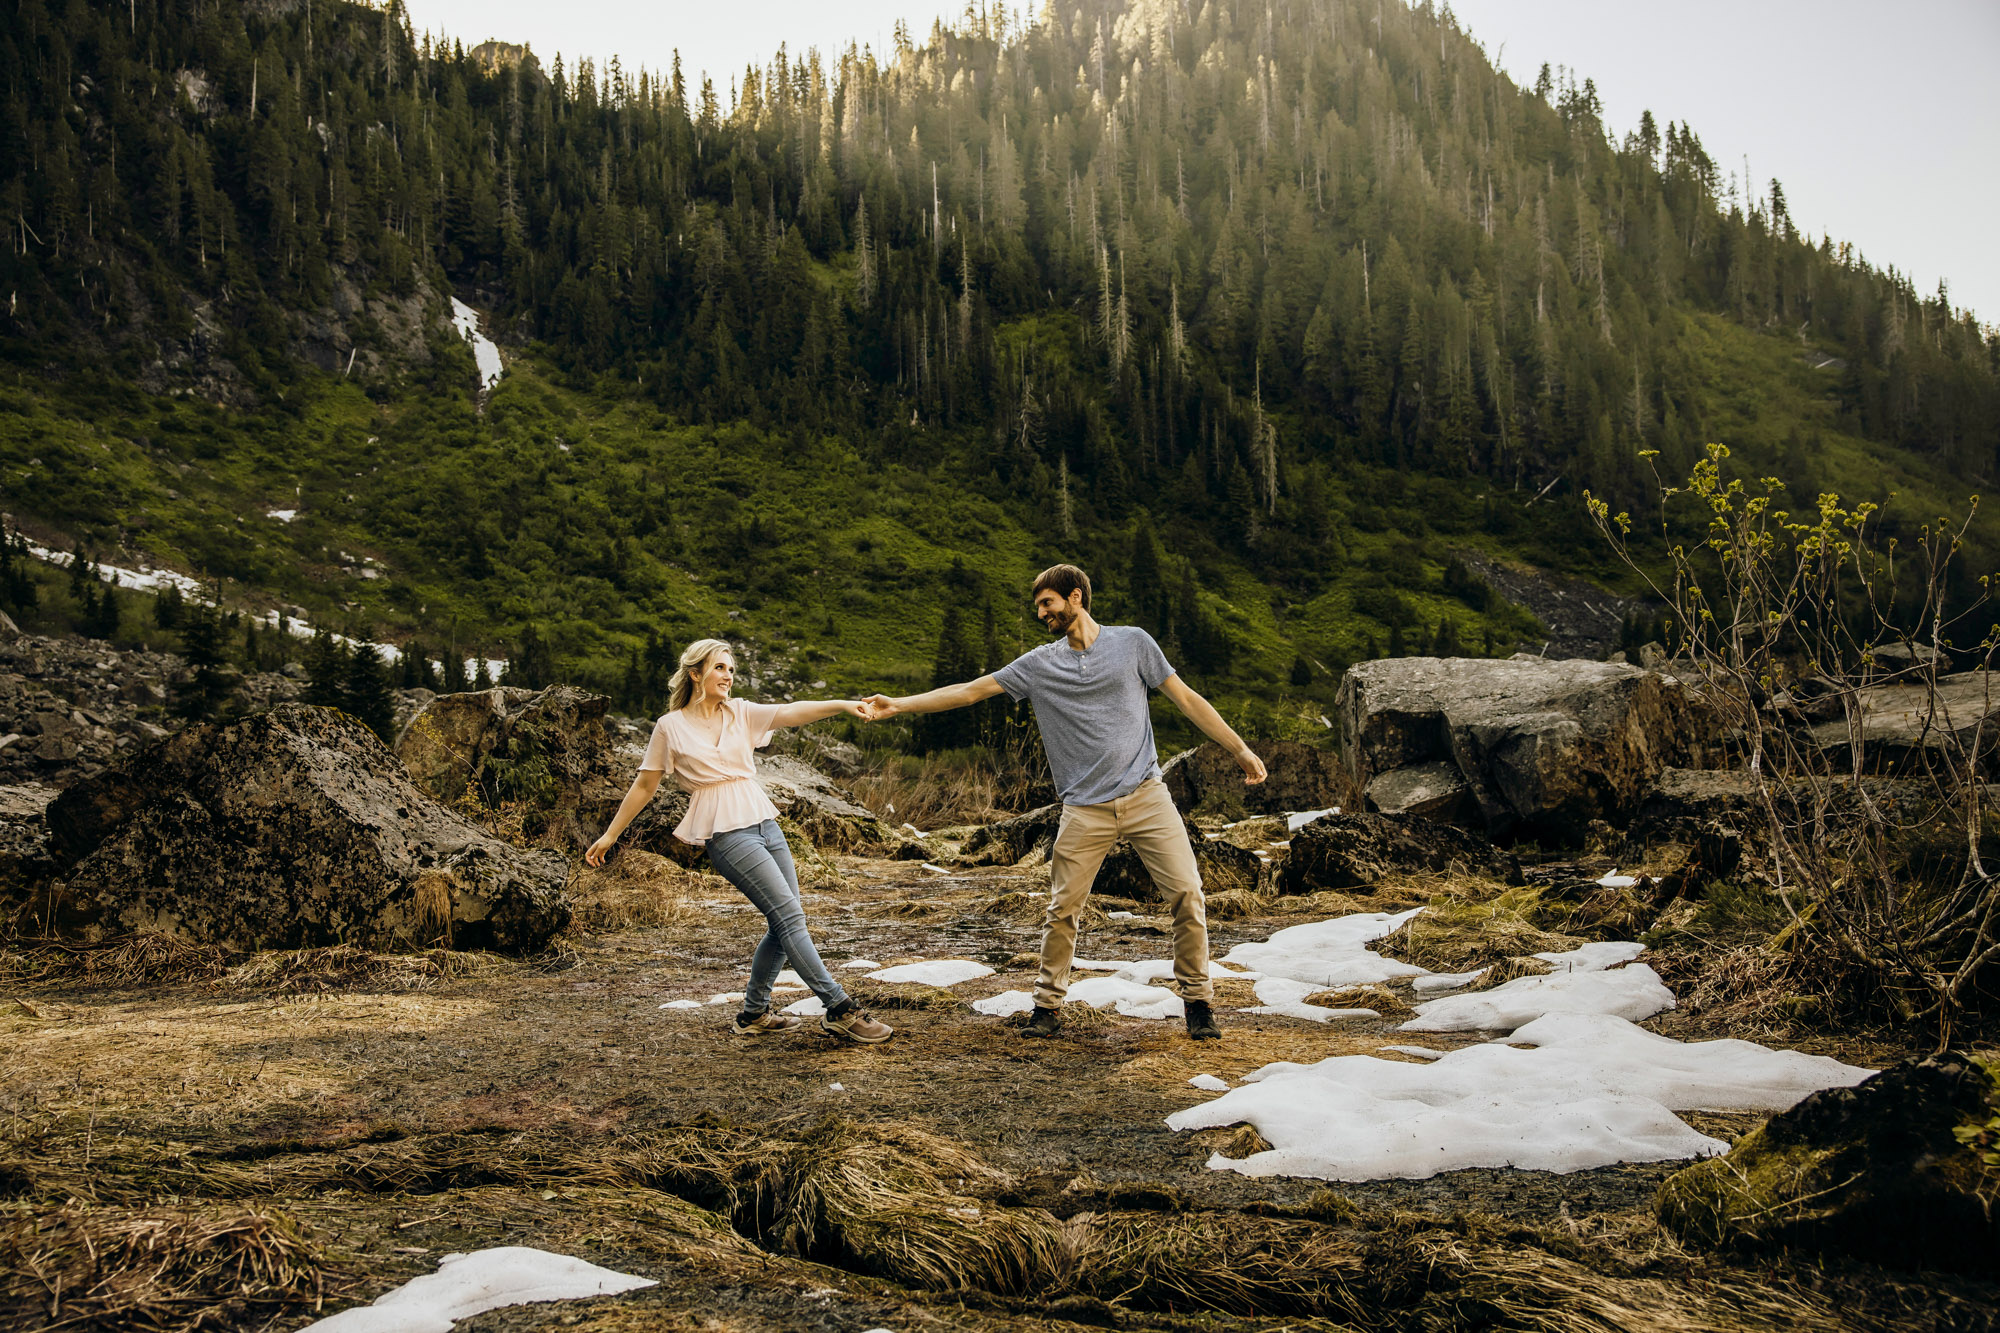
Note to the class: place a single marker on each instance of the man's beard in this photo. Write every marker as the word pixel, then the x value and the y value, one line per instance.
pixel 1058 622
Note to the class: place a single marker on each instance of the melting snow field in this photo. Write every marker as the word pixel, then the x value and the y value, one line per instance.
pixel 1590 1088
pixel 466 320
pixel 469 1284
pixel 1592 1091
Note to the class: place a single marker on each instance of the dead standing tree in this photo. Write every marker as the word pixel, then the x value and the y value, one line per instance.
pixel 1804 633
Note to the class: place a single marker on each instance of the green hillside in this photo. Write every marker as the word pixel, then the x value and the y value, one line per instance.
pixel 1262 316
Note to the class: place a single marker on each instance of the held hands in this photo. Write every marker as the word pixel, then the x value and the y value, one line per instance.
pixel 1252 766
pixel 878 708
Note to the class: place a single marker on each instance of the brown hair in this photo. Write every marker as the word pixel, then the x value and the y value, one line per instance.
pixel 1062 580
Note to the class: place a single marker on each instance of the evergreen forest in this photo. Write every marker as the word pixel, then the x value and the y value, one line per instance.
pixel 1272 315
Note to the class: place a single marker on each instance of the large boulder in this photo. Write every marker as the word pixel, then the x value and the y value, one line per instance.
pixel 1542 747
pixel 1007 842
pixel 1206 780
pixel 289 829
pixel 547 751
pixel 1350 851
pixel 809 800
pixel 1898 1170
pixel 1909 728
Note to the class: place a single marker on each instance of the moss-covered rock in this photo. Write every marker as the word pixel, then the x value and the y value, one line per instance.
pixel 1888 1171
pixel 290 829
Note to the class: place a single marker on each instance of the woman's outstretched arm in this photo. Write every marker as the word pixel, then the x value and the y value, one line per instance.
pixel 641 791
pixel 814 710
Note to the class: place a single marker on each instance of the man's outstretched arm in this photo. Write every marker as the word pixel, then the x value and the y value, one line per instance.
pixel 942 699
pixel 1202 713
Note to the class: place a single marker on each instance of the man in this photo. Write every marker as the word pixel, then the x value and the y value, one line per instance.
pixel 1089 693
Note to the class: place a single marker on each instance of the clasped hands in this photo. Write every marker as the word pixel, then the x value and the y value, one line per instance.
pixel 875 708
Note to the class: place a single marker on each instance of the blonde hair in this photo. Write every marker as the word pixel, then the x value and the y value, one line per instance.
pixel 694 661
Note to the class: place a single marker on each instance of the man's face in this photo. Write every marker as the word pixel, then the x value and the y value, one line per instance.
pixel 1055 612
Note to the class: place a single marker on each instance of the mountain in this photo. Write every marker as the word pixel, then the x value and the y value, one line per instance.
pixel 1282 318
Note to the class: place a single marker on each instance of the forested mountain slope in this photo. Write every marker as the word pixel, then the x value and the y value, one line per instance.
pixel 1263 310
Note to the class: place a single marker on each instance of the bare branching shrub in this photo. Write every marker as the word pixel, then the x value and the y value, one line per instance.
pixel 1824 650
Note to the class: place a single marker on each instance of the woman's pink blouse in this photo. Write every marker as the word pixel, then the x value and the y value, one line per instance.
pixel 721 779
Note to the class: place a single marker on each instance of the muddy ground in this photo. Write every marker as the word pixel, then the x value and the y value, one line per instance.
pixel 386 1115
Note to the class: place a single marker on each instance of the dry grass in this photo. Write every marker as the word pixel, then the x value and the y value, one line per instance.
pixel 1327 902
pixel 888 1200
pixel 129 960
pixel 933 791
pixel 157 1269
pixel 1458 934
pixel 1511 969
pixel 1236 904
pixel 905 995
pixel 641 889
pixel 343 967
pixel 1379 998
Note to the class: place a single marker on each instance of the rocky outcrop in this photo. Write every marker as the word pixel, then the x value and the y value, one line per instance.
pixel 289 829
pixel 70 707
pixel 807 798
pixel 25 860
pixel 1915 729
pixel 1349 851
pixel 1542 747
pixel 1007 842
pixel 548 752
pixel 1206 780
pixel 1898 1170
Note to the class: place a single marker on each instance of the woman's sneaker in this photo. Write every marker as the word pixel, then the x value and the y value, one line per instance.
pixel 756 1025
pixel 855 1025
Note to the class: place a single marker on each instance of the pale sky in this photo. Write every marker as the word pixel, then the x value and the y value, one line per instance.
pixel 1883 121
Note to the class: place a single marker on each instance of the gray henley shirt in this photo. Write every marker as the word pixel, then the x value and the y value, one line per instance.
pixel 1092 710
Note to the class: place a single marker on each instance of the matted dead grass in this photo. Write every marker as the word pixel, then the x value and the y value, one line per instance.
pixel 343 967
pixel 165 1269
pixel 127 960
pixel 918 1209
pixel 1459 933
pixel 640 889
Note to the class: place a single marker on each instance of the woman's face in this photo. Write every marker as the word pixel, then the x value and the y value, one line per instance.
pixel 718 677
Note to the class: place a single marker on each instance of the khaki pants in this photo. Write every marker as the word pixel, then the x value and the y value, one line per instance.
pixel 1148 820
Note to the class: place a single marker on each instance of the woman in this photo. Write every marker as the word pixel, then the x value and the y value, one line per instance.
pixel 705 738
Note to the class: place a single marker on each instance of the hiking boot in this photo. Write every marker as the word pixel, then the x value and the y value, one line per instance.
pixel 853 1023
pixel 1043 1023
pixel 756 1025
pixel 1201 1021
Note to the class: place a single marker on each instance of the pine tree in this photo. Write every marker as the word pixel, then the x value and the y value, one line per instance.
pixel 366 695
pixel 206 690
pixel 953 663
pixel 326 672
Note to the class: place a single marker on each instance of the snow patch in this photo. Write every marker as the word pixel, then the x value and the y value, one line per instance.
pixel 1298 819
pixel 1208 1083
pixel 1632 993
pixel 1330 953
pixel 942 972
pixel 682 1004
pixel 469 1284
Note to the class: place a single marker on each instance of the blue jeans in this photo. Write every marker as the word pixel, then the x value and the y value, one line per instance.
pixel 759 863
